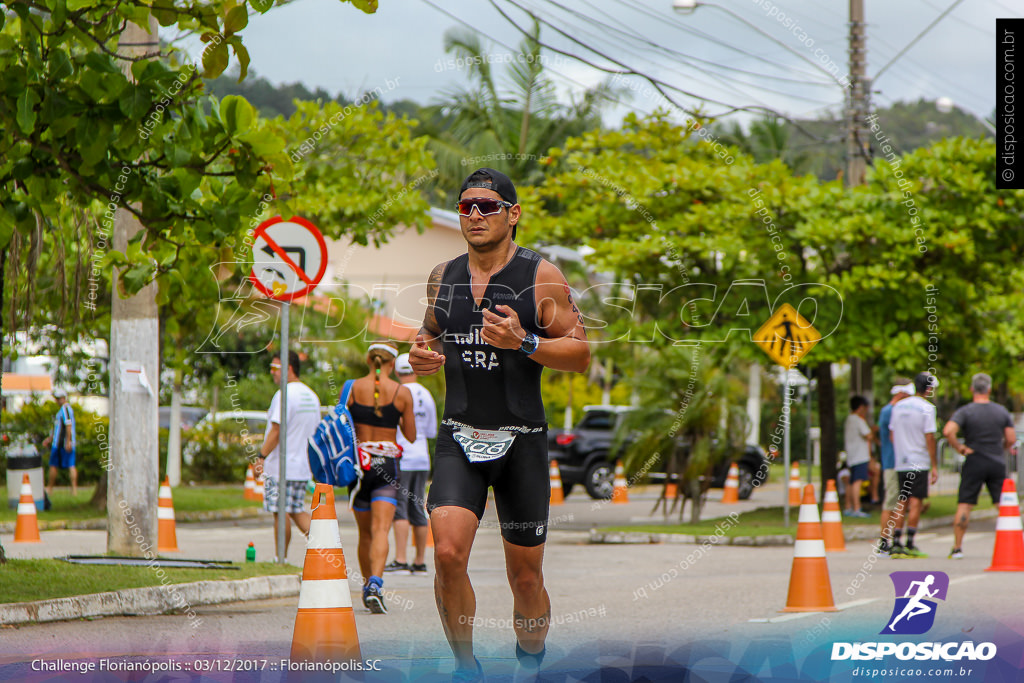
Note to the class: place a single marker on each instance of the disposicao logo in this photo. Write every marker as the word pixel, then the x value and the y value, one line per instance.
pixel 914 614
pixel 916 593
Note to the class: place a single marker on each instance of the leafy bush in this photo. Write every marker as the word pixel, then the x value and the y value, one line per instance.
pixel 221 452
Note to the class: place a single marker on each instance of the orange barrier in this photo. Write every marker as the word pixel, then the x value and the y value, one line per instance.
pixel 325 625
pixel 794 484
pixel 26 529
pixel 1008 553
pixel 557 496
pixel 167 536
pixel 832 520
pixel 810 589
pixel 731 492
pixel 620 494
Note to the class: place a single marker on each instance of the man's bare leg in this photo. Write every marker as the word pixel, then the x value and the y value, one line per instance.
pixel 454 531
pixel 531 607
pixel 401 540
pixel 419 540
pixel 963 514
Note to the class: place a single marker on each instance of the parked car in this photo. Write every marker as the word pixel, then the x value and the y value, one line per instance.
pixel 585 455
pixel 190 415
pixel 231 422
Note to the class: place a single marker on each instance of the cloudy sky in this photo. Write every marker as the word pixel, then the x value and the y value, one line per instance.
pixel 733 53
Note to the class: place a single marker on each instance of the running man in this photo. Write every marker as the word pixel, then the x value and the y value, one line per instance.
pixel 914 606
pixel 62 443
pixel 988 430
pixel 496 316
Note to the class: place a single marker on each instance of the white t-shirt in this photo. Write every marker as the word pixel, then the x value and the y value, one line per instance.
pixel 303 418
pixel 911 419
pixel 855 429
pixel 416 456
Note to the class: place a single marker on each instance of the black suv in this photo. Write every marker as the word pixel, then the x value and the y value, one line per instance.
pixel 584 455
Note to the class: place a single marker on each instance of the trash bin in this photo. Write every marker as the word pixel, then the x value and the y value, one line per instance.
pixel 22 460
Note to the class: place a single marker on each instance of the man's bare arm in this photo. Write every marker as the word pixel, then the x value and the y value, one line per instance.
pixel 425 356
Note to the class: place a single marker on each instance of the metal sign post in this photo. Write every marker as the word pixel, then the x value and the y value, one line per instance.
pixel 289 260
pixel 282 444
pixel 787 337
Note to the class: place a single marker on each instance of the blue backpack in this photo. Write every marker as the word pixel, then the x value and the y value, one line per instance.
pixel 332 448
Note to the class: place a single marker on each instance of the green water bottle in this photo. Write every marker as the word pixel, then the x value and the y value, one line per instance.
pixel 250 553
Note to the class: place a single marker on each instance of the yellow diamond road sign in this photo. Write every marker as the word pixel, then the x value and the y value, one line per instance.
pixel 787 336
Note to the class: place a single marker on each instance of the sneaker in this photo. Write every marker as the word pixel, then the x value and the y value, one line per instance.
pixel 527 660
pixel 417 568
pixel 396 566
pixel 914 551
pixel 956 554
pixel 883 547
pixel 373 597
pixel 858 513
pixel 469 675
pixel 898 552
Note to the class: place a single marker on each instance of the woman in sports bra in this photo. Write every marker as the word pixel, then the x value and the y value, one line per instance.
pixel 379 406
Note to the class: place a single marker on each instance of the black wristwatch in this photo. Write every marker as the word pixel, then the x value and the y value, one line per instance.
pixel 530 343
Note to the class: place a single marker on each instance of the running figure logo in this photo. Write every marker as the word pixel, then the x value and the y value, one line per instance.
pixel 914 612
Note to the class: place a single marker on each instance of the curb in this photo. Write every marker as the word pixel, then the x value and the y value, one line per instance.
pixel 100 524
pixel 150 600
pixel 858 532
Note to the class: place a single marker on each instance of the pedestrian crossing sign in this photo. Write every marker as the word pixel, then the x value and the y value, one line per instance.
pixel 787 336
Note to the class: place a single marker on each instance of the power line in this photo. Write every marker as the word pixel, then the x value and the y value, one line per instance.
pixel 918 37
pixel 670 51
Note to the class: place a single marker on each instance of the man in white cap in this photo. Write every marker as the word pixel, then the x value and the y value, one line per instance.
pixel 62 442
pixel 415 463
pixel 912 426
pixel 901 389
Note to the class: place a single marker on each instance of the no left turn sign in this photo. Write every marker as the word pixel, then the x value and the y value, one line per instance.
pixel 289 258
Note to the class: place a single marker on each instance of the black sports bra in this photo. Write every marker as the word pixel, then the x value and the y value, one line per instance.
pixel 363 414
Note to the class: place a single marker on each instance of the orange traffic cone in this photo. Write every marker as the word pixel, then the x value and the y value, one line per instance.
pixel 809 587
pixel 794 484
pixel 1008 554
pixel 249 491
pixel 26 529
pixel 832 520
pixel 556 484
pixel 731 492
pixel 167 537
pixel 620 493
pixel 325 625
pixel 671 490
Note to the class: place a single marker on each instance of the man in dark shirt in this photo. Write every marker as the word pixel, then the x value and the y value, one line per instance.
pixel 988 430
pixel 496 316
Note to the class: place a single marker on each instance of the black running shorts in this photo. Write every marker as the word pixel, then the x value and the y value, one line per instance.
pixel 978 470
pixel 522 489
pixel 380 482
pixel 914 484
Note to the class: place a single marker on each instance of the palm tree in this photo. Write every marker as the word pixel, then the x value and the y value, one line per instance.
pixel 512 126
pixel 688 418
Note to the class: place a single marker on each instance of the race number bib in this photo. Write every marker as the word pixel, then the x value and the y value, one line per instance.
pixel 482 445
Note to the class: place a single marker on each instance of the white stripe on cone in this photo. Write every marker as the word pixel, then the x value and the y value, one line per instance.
pixel 165 491
pixel 831 516
pixel 1009 523
pixel 26 490
pixel 324 594
pixel 164 513
pixel 1008 498
pixel 831 497
pixel 324 534
pixel 809 548
pixel 808 513
pixel 27 509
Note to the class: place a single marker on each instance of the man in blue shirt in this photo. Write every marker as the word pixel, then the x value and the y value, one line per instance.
pixel 62 442
pixel 902 388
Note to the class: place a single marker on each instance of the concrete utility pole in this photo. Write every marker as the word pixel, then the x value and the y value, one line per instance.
pixel 858 152
pixel 134 361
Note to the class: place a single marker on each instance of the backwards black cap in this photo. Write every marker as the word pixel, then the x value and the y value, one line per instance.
pixel 489 179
